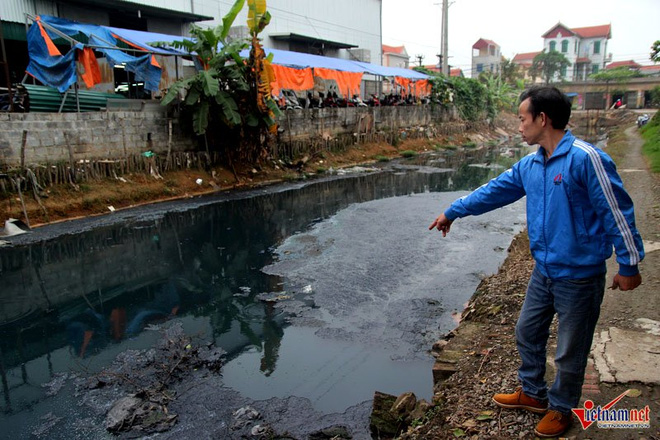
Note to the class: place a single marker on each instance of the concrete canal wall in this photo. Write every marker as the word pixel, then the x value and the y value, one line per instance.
pixel 57 137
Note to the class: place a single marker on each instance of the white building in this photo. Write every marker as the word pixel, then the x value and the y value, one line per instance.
pixel 585 48
pixel 486 57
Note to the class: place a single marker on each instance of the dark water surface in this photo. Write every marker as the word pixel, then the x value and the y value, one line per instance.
pixel 325 290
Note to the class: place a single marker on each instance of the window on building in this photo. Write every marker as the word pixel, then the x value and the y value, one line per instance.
pixel 563 71
pixel 596 46
pixel 564 46
pixel 594 68
pixel 480 68
pixel 553 46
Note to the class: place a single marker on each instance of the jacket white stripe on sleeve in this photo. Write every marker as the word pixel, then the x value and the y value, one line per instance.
pixel 606 186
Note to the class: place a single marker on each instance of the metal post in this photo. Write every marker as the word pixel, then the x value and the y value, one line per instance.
pixel 6 64
pixel 443 38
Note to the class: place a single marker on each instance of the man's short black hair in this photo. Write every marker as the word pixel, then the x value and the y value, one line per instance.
pixel 551 101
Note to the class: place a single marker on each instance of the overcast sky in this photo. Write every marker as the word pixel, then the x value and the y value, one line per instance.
pixel 517 26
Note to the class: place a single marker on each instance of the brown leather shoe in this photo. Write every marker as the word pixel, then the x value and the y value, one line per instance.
pixel 519 400
pixel 553 424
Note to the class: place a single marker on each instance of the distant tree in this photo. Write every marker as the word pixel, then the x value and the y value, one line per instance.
pixel 548 64
pixel 617 75
pixel 510 71
pixel 655 52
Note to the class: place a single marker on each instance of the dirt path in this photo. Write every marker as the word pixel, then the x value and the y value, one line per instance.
pixel 620 308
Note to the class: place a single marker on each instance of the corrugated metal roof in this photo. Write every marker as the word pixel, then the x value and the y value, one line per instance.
pixel 47 99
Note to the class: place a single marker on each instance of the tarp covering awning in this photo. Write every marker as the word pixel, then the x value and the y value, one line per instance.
pixel 390 72
pixel 145 39
pixel 53 69
pixel 59 71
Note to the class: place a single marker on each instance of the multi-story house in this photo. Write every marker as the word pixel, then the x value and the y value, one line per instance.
pixel 585 48
pixel 486 57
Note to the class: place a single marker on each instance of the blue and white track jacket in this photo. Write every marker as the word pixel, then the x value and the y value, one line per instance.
pixel 577 209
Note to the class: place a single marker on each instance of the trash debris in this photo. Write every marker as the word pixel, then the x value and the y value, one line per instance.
pixel 111 208
pixel 14 227
pixel 199 181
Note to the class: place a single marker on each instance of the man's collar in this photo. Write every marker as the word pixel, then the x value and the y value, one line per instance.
pixel 563 147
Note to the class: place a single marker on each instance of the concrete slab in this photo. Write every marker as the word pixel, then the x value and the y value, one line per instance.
pixel 651 246
pixel 622 356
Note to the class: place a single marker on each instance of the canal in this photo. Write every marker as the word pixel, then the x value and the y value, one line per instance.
pixel 320 292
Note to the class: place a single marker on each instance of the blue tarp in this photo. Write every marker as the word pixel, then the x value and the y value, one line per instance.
pixel 56 71
pixel 145 39
pixel 390 71
pixel 303 60
pixel 60 71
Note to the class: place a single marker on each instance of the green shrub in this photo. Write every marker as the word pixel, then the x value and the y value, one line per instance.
pixel 408 153
pixel 651 148
pixel 382 158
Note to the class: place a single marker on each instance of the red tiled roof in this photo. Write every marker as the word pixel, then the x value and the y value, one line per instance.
pixel 552 33
pixel 583 60
pixel 523 58
pixel 604 30
pixel 627 63
pixel 432 67
pixel 393 49
pixel 482 42
pixel 650 69
pixel 456 72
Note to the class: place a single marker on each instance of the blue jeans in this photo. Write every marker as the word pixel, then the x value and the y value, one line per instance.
pixel 577 305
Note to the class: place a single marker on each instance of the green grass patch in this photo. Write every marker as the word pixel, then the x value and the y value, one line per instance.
pixel 408 153
pixel 651 148
pixel 470 144
pixel 321 170
pixel 380 158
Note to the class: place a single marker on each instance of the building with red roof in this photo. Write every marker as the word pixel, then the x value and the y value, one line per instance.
pixel 395 56
pixel 524 62
pixel 486 57
pixel 628 63
pixel 454 71
pixel 584 47
pixel 653 70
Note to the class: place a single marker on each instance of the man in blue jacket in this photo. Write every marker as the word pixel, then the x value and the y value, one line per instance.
pixel 577 210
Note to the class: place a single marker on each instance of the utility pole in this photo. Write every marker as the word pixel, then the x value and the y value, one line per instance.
pixel 444 65
pixel 420 58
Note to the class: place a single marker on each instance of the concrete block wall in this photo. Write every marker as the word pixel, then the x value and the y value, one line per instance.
pixel 54 137
pixel 90 135
pixel 333 122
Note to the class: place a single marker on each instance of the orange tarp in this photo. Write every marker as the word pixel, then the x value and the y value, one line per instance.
pixel 53 51
pixel 92 73
pixel 422 88
pixel 418 88
pixel 291 78
pixel 346 81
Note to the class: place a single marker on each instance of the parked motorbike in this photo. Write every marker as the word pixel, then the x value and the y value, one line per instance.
pixel 643 119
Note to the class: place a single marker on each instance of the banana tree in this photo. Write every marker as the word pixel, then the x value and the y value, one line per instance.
pixel 229 97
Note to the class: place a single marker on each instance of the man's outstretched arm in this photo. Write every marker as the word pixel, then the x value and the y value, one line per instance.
pixel 442 223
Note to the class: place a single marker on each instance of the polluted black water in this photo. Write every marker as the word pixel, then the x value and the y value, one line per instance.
pixel 320 292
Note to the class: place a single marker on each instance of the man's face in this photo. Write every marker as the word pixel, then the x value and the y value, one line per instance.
pixel 530 128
